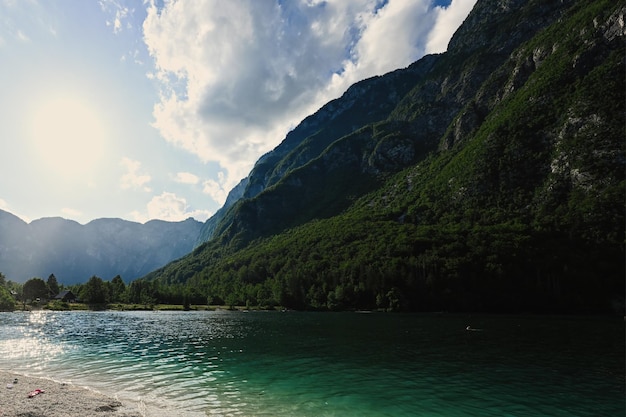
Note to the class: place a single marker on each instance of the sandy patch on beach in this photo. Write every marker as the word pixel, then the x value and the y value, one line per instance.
pixel 56 400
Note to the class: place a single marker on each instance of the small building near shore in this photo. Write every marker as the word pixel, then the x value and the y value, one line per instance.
pixel 66 296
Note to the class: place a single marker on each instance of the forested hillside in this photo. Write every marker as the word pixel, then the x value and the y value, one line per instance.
pixel 491 180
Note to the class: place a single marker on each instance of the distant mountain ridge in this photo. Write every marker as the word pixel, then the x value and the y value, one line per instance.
pixel 102 247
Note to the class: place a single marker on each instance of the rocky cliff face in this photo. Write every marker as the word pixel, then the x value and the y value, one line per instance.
pixel 103 247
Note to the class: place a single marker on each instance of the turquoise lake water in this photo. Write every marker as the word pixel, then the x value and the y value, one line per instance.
pixel 327 364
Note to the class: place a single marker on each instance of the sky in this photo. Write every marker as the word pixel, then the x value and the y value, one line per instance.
pixel 156 109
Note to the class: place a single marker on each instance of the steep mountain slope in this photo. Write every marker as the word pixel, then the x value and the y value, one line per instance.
pixel 369 100
pixel 103 247
pixel 496 182
pixel 414 107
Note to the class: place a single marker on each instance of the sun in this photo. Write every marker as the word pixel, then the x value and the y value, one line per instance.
pixel 68 136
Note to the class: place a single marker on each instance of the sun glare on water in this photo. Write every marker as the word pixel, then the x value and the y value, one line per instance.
pixel 68 136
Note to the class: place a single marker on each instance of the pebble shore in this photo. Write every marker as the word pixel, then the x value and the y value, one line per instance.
pixel 57 399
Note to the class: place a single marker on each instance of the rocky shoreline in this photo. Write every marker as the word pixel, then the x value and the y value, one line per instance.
pixel 24 396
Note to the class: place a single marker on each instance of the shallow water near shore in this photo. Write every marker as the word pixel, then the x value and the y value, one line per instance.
pixel 327 364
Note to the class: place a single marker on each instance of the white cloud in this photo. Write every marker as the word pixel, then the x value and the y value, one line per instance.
pixel 21 36
pixel 242 73
pixel 448 19
pixel 169 207
pixel 133 178
pixel 120 14
pixel 71 213
pixel 186 178
pixel 391 38
pixel 217 188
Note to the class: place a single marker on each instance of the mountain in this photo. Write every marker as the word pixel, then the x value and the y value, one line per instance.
pixel 486 178
pixel 102 247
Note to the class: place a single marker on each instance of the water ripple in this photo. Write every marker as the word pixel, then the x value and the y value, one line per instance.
pixel 272 364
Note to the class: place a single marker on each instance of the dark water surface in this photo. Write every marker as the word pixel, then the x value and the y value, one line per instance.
pixel 328 364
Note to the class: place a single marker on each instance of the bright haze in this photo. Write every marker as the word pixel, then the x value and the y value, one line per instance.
pixel 152 109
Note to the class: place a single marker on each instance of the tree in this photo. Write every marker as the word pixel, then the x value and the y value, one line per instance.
pixel 134 292
pixel 53 285
pixel 94 291
pixel 35 288
pixel 118 289
pixel 7 303
pixel 3 280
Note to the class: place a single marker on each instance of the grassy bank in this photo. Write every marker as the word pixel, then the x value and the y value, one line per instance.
pixel 64 306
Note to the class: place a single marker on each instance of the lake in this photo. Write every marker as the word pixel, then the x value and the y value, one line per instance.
pixel 328 364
